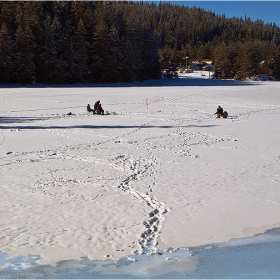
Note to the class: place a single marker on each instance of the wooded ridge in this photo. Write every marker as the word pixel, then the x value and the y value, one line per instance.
pixel 100 42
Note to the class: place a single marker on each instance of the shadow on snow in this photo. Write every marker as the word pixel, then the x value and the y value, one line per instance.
pixel 22 119
pixel 181 81
pixel 100 126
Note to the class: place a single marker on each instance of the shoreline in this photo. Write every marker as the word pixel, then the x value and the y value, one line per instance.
pixel 259 237
pixel 197 262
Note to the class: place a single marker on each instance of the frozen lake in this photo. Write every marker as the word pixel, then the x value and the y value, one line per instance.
pixel 86 196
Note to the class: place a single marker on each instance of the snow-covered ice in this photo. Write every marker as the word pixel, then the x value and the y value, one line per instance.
pixel 161 172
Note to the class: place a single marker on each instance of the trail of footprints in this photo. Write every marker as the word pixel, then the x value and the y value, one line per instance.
pixel 148 238
pixel 135 168
pixel 63 189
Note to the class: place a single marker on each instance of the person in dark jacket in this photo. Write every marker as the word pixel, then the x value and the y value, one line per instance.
pixel 220 112
pixel 95 105
pixel 225 115
pixel 89 109
pixel 99 109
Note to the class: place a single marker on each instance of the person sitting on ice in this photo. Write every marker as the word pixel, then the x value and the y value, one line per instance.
pixel 225 114
pixel 99 109
pixel 89 109
pixel 220 112
pixel 95 105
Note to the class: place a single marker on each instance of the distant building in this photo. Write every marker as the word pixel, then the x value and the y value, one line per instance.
pixel 207 64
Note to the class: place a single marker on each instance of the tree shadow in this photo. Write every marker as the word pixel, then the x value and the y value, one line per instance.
pixel 181 81
pixel 22 119
pixel 30 127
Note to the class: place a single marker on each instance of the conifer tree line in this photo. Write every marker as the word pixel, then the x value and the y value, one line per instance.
pixel 122 41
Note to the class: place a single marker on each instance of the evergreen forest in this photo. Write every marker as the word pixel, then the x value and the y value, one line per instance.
pixel 62 42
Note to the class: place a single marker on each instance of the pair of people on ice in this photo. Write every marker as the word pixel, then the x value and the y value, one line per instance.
pixel 97 109
pixel 221 113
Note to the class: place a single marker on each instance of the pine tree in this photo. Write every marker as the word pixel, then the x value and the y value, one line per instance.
pixel 225 57
pixel 277 63
pixel 8 15
pixel 68 55
pixel 100 59
pixel 49 54
pixel 241 63
pixel 6 53
pixel 150 65
pixel 24 58
pixel 254 56
pixel 81 53
pixel 35 20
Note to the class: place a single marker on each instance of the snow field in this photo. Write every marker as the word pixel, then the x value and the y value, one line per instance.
pixel 163 172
